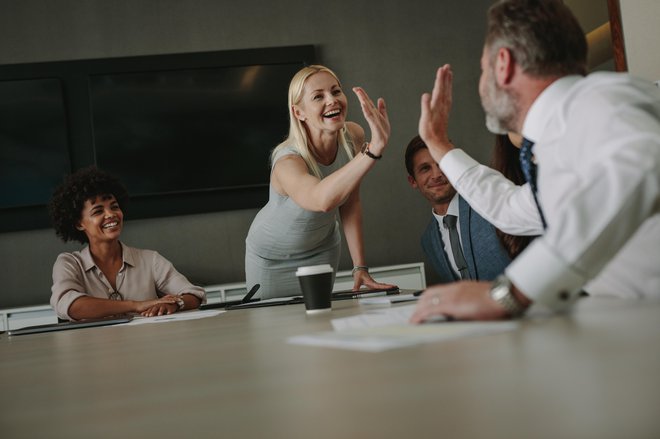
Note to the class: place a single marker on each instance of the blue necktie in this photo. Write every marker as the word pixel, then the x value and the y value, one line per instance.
pixel 529 169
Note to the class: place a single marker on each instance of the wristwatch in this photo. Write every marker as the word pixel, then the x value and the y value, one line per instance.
pixel 501 293
pixel 365 150
pixel 180 303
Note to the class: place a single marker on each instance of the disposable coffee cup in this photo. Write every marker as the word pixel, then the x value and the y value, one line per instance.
pixel 316 285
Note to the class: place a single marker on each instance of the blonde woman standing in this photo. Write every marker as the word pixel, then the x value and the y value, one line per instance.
pixel 315 175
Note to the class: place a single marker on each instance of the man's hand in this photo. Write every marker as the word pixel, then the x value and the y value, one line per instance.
pixel 465 300
pixel 435 115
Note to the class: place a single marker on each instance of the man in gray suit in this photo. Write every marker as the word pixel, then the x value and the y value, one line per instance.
pixel 458 242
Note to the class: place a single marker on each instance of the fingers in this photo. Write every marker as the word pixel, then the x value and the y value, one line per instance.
pixel 442 84
pixel 426 104
pixel 363 97
pixel 159 309
pixel 429 306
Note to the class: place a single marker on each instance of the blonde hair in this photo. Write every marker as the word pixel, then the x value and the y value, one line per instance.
pixel 297 137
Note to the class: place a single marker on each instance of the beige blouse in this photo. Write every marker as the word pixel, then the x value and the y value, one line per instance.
pixel 144 275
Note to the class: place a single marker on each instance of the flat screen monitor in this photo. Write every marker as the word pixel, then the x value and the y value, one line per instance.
pixel 186 133
pixel 34 152
pixel 190 130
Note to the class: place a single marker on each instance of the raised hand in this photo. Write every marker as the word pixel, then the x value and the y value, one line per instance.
pixel 377 118
pixel 435 114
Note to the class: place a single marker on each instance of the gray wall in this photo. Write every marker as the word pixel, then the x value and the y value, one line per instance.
pixel 391 48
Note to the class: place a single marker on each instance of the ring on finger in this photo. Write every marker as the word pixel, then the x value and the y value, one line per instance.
pixel 435 301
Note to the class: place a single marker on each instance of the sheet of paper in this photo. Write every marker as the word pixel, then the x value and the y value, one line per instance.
pixel 375 317
pixel 381 338
pixel 186 315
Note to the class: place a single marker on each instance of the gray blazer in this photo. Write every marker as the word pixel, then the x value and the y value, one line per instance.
pixel 485 256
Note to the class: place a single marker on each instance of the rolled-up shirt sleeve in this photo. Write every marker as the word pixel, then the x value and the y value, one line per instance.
pixel 170 281
pixel 68 284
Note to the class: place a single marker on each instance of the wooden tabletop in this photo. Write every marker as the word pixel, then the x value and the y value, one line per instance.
pixel 594 373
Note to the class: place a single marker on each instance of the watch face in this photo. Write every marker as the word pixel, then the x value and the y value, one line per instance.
pixel 499 292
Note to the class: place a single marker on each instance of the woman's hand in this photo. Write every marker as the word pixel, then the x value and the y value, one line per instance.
pixel 379 123
pixel 435 114
pixel 362 277
pixel 157 307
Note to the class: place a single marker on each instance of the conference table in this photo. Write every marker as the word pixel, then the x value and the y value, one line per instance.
pixel 590 373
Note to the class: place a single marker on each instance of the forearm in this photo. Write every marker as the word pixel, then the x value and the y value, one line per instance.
pixel 87 307
pixel 509 207
pixel 190 301
pixel 351 217
pixel 332 190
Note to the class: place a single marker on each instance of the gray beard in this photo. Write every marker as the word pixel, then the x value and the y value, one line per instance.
pixel 502 110
pixel 495 125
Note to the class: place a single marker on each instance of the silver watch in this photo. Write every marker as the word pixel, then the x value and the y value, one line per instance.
pixel 180 303
pixel 501 293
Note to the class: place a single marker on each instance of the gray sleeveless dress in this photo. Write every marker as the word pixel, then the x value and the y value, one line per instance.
pixel 284 236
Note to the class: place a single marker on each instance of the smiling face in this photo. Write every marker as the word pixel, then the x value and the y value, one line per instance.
pixel 101 219
pixel 323 104
pixel 430 181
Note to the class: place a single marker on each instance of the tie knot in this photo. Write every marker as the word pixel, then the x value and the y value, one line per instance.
pixel 526 149
pixel 449 221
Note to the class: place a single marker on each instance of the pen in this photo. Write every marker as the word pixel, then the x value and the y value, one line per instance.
pixel 250 293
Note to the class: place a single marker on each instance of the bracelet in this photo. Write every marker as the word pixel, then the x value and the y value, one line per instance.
pixel 365 150
pixel 359 267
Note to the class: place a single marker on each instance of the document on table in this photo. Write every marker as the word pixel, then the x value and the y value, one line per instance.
pixel 389 329
pixel 185 315
pixel 375 317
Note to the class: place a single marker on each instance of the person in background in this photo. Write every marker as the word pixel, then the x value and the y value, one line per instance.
pixel 458 242
pixel 591 156
pixel 506 160
pixel 107 277
pixel 315 177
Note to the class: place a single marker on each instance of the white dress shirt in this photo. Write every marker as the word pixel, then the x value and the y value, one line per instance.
pixel 597 144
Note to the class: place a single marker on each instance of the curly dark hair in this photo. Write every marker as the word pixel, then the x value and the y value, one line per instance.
pixel 65 206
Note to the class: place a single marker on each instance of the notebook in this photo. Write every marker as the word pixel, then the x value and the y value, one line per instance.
pixel 69 325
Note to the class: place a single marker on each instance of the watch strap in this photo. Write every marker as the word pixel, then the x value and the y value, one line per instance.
pixel 365 150
pixel 502 294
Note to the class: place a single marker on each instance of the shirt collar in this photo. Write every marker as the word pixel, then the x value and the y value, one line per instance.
pixel 88 261
pixel 452 209
pixel 549 100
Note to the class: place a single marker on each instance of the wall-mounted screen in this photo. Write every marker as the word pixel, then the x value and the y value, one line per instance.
pixel 33 141
pixel 189 130
pixel 186 133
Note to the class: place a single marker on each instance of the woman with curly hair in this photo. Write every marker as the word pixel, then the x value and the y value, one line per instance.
pixel 107 277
